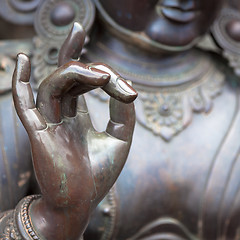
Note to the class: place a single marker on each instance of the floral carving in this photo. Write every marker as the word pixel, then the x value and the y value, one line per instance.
pixel 9 232
pixel 167 113
pixel 234 61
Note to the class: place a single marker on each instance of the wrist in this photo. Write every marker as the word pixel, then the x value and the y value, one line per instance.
pixel 57 222
pixel 16 224
pixel 23 218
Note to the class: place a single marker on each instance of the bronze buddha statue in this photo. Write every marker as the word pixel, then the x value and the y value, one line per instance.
pixel 181 178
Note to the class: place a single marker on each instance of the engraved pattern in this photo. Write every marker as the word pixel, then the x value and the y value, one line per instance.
pixel 25 217
pixel 45 58
pixel 168 113
pixel 10 231
pixel 234 61
pixel 84 13
pixel 103 53
pixel 51 37
pixel 44 61
pixel 231 48
pixel 18 11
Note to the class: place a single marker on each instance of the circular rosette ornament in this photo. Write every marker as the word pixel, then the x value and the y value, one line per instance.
pixel 55 18
pixel 163 113
pixel 53 21
pixel 44 60
pixel 19 11
pixel 168 112
pixel 226 32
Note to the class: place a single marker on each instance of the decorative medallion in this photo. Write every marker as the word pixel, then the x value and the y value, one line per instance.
pixel 168 111
pixel 19 11
pixel 10 231
pixel 53 22
pixel 227 34
pixel 54 18
pixel 17 223
pixel 45 59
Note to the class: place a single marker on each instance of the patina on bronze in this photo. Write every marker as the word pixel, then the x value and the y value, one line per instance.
pixel 181 180
pixel 74 164
pixel 18 19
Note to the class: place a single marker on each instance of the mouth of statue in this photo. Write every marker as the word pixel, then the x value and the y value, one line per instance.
pixel 178 13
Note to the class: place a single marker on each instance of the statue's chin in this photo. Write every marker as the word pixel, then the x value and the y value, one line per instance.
pixel 172 35
pixel 159 35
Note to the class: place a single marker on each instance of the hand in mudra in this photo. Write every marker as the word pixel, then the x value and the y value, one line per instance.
pixel 75 165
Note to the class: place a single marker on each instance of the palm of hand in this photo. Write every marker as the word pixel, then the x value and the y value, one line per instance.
pixel 71 156
pixel 74 164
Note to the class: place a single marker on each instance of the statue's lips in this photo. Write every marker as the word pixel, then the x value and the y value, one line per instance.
pixel 179 15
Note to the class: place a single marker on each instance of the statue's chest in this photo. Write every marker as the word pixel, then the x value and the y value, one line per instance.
pixel 190 181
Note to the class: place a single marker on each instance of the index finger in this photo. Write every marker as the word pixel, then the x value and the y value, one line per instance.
pixel 67 82
pixel 117 87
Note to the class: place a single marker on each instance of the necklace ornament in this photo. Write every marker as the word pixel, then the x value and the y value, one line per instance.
pixel 167 113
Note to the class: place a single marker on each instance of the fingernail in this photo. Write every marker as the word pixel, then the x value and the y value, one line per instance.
pixel 129 82
pixel 77 27
pixel 23 66
pixel 100 73
pixel 126 87
pixel 105 77
pixel 22 57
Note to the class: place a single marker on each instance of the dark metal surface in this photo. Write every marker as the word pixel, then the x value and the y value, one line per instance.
pixel 75 165
pixel 181 180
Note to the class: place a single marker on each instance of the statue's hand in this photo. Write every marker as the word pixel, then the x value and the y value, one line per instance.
pixel 75 165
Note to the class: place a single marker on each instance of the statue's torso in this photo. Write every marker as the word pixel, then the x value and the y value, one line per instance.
pixel 187 186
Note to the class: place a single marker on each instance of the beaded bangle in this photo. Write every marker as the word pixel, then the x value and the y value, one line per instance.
pixel 23 219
